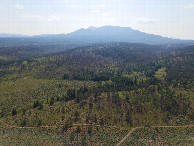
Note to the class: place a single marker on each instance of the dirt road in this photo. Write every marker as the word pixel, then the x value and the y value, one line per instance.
pixel 133 129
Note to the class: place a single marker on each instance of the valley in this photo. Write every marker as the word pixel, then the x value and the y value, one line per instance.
pixel 96 94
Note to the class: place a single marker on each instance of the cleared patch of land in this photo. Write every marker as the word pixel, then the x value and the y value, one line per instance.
pixel 160 135
pixel 161 73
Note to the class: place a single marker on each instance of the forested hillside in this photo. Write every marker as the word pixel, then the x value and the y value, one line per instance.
pixel 95 94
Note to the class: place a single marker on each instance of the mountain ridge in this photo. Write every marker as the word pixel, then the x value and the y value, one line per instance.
pixel 97 35
pixel 2 35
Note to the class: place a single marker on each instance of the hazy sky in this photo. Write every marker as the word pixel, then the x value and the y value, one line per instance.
pixel 171 18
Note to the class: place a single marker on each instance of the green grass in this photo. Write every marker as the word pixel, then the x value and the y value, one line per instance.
pixel 54 136
pixel 161 136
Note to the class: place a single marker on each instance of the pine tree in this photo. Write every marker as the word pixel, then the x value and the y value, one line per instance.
pixel 39 123
pixel 41 106
pixel 52 101
pixel 102 122
pixel 23 123
pixel 90 130
pixel 14 112
pixel 78 129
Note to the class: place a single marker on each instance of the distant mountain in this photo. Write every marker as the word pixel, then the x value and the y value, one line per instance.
pixel 120 34
pixel 6 35
pixel 105 34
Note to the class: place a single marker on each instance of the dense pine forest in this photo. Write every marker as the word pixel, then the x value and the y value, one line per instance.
pixel 95 94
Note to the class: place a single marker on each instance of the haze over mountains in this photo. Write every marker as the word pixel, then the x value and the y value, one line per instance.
pixel 92 35
pixel 4 35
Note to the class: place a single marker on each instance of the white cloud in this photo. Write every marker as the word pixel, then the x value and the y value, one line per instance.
pixel 95 11
pixel 110 20
pixel 40 18
pixel 32 17
pixel 190 6
pixel 105 14
pixel 101 5
pixel 19 6
pixel 73 6
pixel 53 18
pixel 146 21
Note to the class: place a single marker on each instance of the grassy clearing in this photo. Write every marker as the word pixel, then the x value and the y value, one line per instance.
pixel 161 136
pixel 54 136
pixel 161 73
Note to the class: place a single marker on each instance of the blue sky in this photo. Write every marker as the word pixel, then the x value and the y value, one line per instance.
pixel 170 18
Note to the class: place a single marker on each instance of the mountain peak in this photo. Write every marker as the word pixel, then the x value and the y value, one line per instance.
pixel 109 33
pixel 118 34
pixel 92 28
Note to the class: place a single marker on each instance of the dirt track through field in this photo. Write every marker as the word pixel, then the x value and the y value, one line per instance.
pixel 130 132
pixel 133 129
pixel 46 126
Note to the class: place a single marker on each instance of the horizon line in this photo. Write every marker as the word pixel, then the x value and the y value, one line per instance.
pixel 42 34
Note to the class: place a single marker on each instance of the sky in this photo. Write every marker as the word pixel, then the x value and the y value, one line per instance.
pixel 168 18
